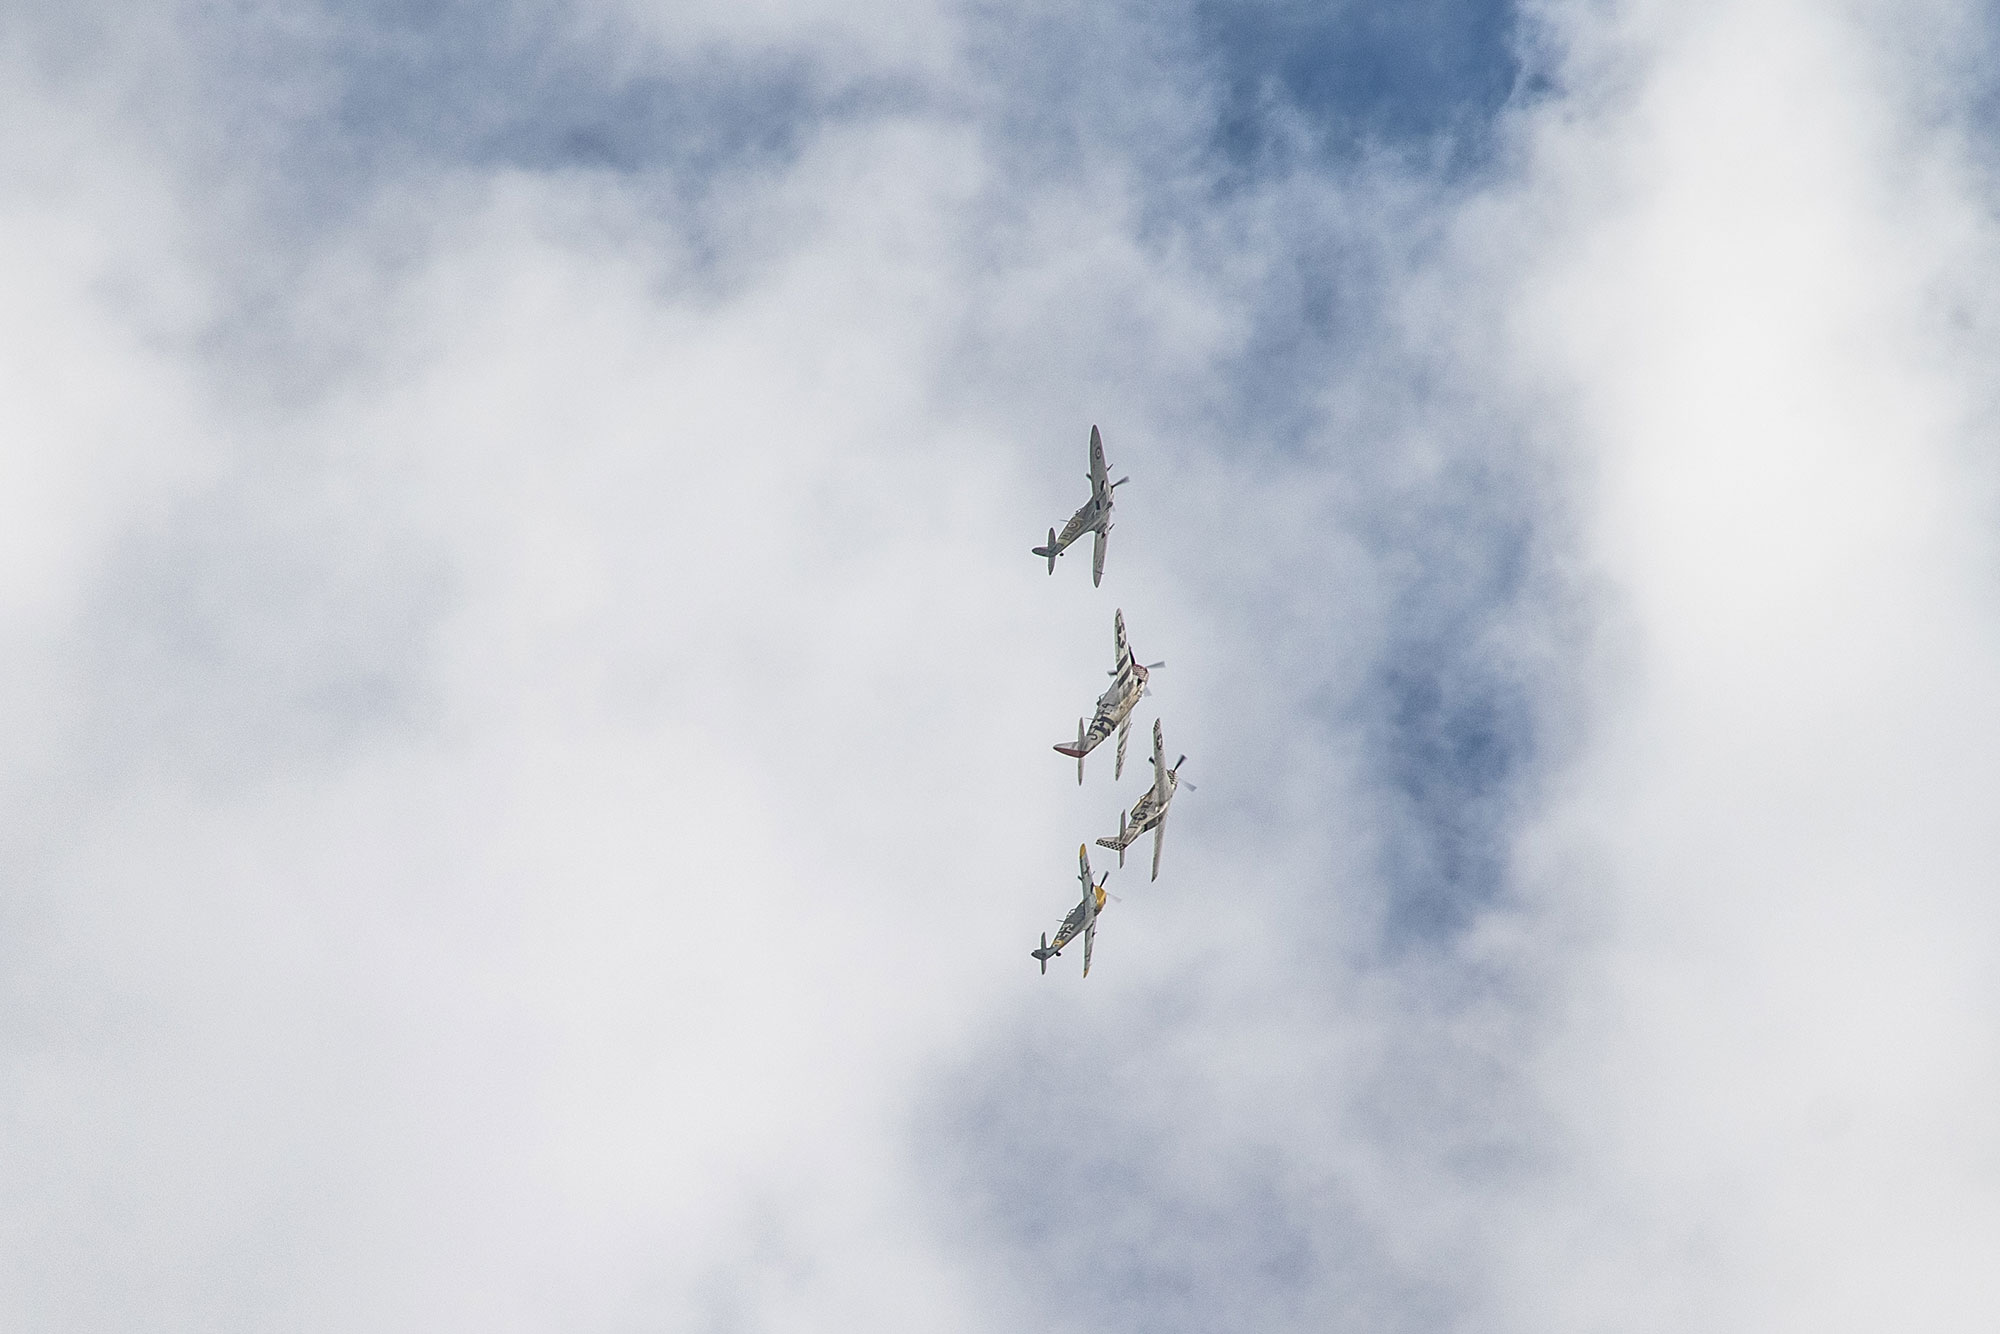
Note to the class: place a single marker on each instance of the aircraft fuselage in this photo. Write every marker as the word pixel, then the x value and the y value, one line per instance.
pixel 1092 516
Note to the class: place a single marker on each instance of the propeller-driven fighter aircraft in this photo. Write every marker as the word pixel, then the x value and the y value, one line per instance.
pixel 1151 810
pixel 1083 917
pixel 1114 706
pixel 1095 516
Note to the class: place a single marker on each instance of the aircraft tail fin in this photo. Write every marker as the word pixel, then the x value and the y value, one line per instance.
pixel 1118 843
pixel 1051 551
pixel 1076 752
pixel 1043 954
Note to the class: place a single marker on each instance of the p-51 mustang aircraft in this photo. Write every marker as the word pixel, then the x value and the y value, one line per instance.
pixel 1114 706
pixel 1151 810
pixel 1083 917
pixel 1095 516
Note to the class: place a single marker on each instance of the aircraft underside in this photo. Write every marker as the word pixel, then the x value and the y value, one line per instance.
pixel 1079 524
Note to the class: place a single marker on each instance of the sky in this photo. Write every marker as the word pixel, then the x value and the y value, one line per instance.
pixel 528 791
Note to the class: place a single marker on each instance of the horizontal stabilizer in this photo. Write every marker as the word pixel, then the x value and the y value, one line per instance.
pixel 1051 551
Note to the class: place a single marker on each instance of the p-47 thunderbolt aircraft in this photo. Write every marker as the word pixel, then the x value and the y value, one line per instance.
pixel 1095 516
pixel 1151 810
pixel 1114 706
pixel 1083 917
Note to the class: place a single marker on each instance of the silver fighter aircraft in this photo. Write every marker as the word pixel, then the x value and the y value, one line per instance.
pixel 1083 917
pixel 1095 516
pixel 1151 810
pixel 1114 706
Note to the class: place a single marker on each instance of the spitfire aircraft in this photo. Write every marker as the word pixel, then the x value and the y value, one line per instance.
pixel 1083 917
pixel 1095 516
pixel 1151 810
pixel 1114 706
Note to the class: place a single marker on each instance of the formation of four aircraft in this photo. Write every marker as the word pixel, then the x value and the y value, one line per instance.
pixel 1113 714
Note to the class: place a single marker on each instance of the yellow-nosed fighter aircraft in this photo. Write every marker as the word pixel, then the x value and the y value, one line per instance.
pixel 1083 917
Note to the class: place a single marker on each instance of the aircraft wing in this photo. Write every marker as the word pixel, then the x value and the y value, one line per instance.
pixel 1160 793
pixel 1100 476
pixel 1121 651
pixel 1083 874
pixel 1159 837
pixel 1089 939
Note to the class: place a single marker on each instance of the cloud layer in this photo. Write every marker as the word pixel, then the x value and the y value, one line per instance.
pixel 528 793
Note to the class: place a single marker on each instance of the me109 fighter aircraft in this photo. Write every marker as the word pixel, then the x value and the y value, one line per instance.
pixel 1151 810
pixel 1114 706
pixel 1083 917
pixel 1095 516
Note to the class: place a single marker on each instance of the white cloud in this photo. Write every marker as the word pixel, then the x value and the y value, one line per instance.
pixel 541 792
pixel 530 796
pixel 1771 1075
